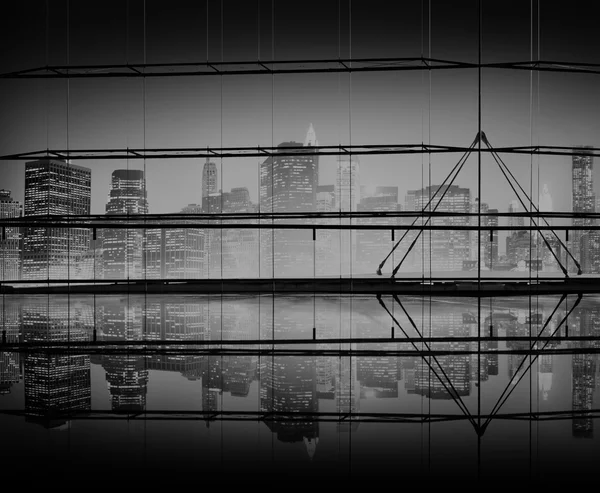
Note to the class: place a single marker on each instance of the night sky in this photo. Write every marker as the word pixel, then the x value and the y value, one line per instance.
pixel 409 107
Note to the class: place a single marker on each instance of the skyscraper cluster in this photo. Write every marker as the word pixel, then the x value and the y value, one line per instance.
pixel 289 184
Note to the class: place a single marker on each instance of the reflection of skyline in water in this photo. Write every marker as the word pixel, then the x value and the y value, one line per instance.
pixel 58 385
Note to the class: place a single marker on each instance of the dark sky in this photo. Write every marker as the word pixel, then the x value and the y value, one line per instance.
pixel 438 107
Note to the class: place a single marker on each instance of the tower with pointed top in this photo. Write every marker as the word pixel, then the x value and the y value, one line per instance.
pixel 210 178
pixel 311 141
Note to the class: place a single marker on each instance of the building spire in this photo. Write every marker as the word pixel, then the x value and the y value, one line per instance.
pixel 311 137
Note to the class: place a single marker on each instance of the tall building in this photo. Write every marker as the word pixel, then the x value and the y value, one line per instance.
pixel 443 250
pixel 11 239
pixel 212 203
pixel 123 247
pixel 311 141
pixel 347 198
pixel 347 184
pixel 584 199
pixel 513 208
pixel 288 183
pixel 239 246
pixel 210 178
pixel 328 241
pixel 174 253
pixel 488 243
pixel 55 187
pixel 373 245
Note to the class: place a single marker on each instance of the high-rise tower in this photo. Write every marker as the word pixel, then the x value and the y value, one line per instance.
pixel 10 241
pixel 288 183
pixel 55 187
pixel 210 178
pixel 584 199
pixel 123 247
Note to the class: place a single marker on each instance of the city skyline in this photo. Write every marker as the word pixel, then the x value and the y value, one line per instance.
pixel 159 318
pixel 289 183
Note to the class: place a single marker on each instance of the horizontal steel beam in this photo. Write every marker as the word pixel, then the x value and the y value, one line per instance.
pixel 147 343
pixel 240 216
pixel 281 67
pixel 265 152
pixel 140 224
pixel 302 416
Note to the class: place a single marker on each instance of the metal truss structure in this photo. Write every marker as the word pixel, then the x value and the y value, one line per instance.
pixel 275 67
pixel 308 66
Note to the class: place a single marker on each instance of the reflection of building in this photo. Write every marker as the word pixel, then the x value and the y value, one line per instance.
pixel 126 375
pixel 10 362
pixel 54 187
pixel 584 373
pixel 289 386
pixel 56 385
pixel 10 241
pixel 456 367
pixel 123 247
pixel 288 183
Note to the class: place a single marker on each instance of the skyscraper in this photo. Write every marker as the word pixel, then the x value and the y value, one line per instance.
pixel 210 178
pixel 447 249
pixel 584 199
pixel 174 253
pixel 10 241
pixel 488 244
pixel 55 187
pixel 212 202
pixel 288 183
pixel 514 207
pixel 373 245
pixel 123 247
pixel 347 198
pixel 347 184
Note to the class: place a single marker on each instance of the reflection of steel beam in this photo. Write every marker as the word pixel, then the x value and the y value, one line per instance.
pixel 451 391
pixel 257 416
pixel 464 287
pixel 504 397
